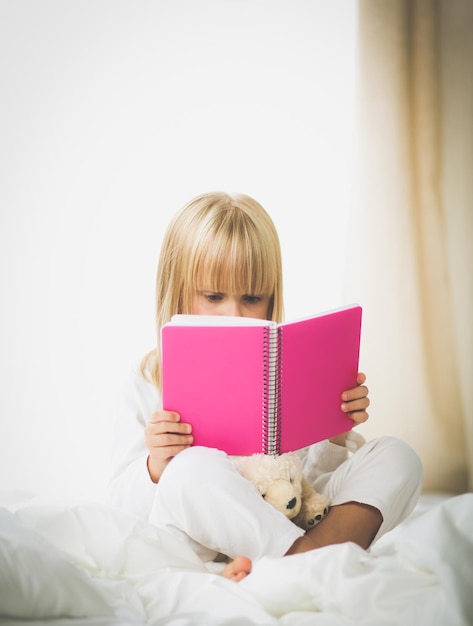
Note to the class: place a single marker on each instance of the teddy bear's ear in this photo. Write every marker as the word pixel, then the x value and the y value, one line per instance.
pixel 294 465
pixel 254 468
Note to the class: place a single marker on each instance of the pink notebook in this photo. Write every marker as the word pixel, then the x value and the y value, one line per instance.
pixel 250 386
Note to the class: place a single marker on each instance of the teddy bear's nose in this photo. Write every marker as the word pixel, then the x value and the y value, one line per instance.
pixel 292 503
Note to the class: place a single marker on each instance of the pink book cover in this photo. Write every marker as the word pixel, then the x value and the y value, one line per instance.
pixel 319 360
pixel 218 378
pixel 214 378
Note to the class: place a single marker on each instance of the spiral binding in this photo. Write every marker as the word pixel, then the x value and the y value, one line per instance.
pixel 271 394
pixel 279 372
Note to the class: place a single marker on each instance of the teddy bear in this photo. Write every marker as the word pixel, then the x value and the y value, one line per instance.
pixel 280 481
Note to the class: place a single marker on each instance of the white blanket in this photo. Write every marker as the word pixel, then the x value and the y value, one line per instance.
pixel 88 564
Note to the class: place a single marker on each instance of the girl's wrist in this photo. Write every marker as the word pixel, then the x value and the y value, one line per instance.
pixel 153 472
pixel 339 440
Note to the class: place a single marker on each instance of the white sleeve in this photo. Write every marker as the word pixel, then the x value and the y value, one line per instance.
pixel 130 486
pixel 324 457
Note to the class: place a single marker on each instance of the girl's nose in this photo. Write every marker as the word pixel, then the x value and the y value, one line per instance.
pixel 233 307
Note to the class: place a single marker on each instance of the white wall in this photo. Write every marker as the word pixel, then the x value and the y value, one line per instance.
pixel 113 115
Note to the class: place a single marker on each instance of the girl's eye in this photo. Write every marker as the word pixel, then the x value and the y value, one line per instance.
pixel 213 297
pixel 252 299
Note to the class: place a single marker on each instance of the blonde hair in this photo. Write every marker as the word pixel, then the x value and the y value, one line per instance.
pixel 218 242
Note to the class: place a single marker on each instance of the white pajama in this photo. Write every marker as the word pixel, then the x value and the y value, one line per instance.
pixel 203 500
pixel 385 473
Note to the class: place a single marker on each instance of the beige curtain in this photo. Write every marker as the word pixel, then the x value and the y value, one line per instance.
pixel 410 249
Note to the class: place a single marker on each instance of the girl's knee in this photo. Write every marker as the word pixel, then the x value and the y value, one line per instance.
pixel 401 460
pixel 198 457
pixel 402 454
pixel 194 468
pixel 404 475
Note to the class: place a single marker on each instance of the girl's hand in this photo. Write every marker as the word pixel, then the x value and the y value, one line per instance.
pixel 355 402
pixel 165 436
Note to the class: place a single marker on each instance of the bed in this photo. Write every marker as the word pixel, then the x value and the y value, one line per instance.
pixel 87 564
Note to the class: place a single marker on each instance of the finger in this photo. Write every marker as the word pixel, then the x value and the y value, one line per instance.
pixel 173 451
pixel 361 377
pixel 360 404
pixel 356 410
pixel 355 394
pixel 359 417
pixel 170 427
pixel 164 440
pixel 164 416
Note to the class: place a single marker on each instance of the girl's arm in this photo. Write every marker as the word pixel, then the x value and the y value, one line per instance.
pixel 137 464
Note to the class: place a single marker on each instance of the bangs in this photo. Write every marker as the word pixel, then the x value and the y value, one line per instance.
pixel 236 259
pixel 236 270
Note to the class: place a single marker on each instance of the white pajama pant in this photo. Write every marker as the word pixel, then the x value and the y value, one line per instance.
pixel 203 500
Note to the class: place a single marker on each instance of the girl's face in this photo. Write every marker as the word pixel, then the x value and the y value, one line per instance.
pixel 208 302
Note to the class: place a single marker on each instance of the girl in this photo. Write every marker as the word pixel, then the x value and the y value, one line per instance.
pixel 221 256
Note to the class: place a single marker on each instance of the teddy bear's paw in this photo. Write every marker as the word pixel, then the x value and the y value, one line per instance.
pixel 313 510
pixel 312 521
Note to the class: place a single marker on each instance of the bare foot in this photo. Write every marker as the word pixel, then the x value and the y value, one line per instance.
pixel 237 569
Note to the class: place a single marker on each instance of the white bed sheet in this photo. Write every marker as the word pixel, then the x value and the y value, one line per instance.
pixel 419 574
